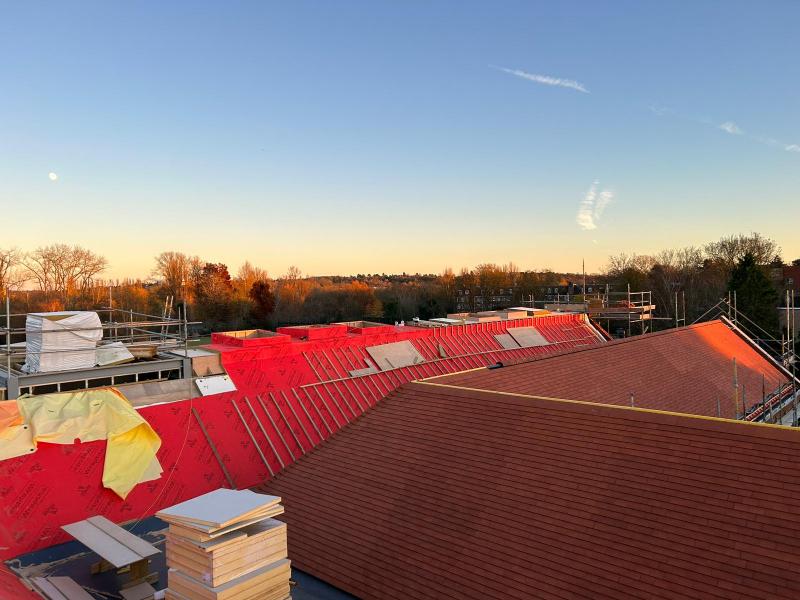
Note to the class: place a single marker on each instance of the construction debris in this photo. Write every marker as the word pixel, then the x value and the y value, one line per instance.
pixel 225 545
pixel 60 588
pixel 118 549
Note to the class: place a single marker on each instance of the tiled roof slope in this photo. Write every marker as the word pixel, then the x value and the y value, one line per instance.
pixel 683 370
pixel 440 492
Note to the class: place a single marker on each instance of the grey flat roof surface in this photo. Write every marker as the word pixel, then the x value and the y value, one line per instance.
pixel 73 560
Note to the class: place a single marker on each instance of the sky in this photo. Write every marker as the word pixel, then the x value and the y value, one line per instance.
pixel 361 137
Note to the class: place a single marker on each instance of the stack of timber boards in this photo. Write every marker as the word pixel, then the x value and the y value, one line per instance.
pixel 225 545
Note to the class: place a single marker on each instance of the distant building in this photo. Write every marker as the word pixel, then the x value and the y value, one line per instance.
pixel 791 279
pixel 477 299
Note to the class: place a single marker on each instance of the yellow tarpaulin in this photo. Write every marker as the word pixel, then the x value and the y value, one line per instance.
pixel 9 414
pixel 15 437
pixel 89 415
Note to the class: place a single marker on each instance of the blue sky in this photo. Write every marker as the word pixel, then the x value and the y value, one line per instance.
pixel 374 136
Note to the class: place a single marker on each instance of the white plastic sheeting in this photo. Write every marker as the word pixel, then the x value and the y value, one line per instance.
pixel 61 341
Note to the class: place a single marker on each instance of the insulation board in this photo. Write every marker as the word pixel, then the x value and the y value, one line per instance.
pixel 528 337
pixel 395 355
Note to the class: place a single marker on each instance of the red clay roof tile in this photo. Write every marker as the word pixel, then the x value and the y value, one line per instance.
pixel 440 492
pixel 683 370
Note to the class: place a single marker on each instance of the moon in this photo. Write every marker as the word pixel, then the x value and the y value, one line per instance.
pixel 52 176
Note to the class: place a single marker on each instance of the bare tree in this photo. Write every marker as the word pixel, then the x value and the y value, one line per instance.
pixel 172 268
pixel 62 270
pixel 11 276
pixel 728 251
pixel 621 263
pixel 178 273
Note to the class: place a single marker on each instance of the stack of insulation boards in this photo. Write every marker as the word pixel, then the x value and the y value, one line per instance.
pixel 225 545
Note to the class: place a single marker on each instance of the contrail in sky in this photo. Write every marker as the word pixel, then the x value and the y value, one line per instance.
pixel 545 79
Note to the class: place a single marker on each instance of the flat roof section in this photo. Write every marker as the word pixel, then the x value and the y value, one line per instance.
pixel 72 560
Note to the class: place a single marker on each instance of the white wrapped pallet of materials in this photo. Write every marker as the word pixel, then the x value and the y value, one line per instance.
pixel 61 341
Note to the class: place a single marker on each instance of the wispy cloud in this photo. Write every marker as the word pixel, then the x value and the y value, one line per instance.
pixel 603 199
pixel 585 216
pixel 592 207
pixel 728 127
pixel 731 127
pixel 545 79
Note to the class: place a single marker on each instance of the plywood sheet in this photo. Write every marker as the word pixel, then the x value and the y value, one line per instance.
pixel 219 508
pixel 506 341
pixel 209 533
pixel 135 543
pixel 173 595
pixel 119 547
pixel 267 542
pixel 142 591
pixel 61 588
pixel 395 355
pixel 528 337
pixel 249 518
pixel 265 582
pixel 219 572
pixel 204 362
pixel 265 528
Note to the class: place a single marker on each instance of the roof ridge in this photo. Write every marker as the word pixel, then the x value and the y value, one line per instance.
pixel 635 409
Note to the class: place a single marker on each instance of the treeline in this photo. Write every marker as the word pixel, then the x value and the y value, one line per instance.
pixel 748 265
pixel 60 277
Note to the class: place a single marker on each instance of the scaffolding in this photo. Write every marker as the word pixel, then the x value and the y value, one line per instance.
pixel 158 345
pixel 633 311
pixel 778 406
